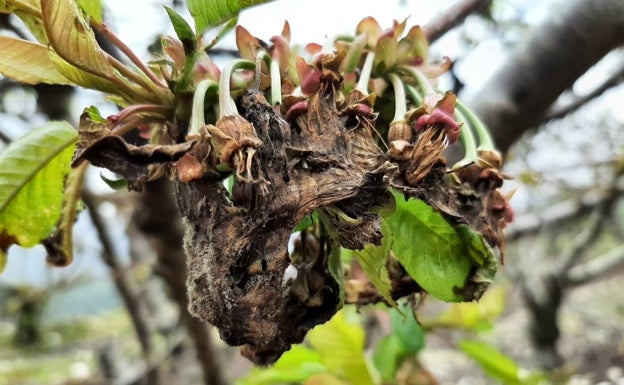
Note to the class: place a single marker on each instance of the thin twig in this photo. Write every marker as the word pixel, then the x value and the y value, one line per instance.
pixel 128 293
pixel 452 17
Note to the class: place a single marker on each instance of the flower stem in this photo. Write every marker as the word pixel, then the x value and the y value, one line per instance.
pixel 400 103
pixel 467 140
pixel 367 69
pixel 197 113
pixel 227 106
pixel 421 79
pixel 483 134
pixel 276 83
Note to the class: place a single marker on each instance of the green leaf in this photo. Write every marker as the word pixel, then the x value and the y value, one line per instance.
pixel 294 366
pixel 28 62
pixel 388 355
pixel 307 222
pixel 429 249
pixel 407 339
pixel 82 78
pixel 95 115
pixel 471 316
pixel 334 265
pixel 493 362
pixel 32 173
pixel 373 260
pixel 93 8
pixel 405 326
pixel 73 39
pixel 209 13
pixel 341 346
pixel 3 260
pixel 29 11
pixel 115 184
pixel 60 245
pixel 183 30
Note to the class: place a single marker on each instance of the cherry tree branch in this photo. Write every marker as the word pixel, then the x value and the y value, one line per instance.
pixel 452 17
pixel 614 80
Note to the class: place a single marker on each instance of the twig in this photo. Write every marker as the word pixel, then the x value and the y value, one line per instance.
pixel 128 293
pixel 611 261
pixel 557 214
pixel 452 17
pixel 614 80
pixel 588 237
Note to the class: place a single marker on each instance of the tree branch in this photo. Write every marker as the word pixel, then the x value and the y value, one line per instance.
pixel 609 262
pixel 128 293
pixel 614 80
pixel 560 213
pixel 551 58
pixel 452 17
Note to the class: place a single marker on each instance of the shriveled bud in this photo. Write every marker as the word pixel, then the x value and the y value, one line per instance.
pixel 230 134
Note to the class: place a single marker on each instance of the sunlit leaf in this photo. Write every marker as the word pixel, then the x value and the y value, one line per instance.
pixel 27 6
pixel 82 78
pixel 429 249
pixel 93 8
pixel 3 260
pixel 307 222
pixel 473 316
pixel 373 260
pixel 493 362
pixel 28 62
pixel 341 346
pixel 294 366
pixel 32 173
pixel 324 379
pixel 183 30
pixel 73 39
pixel 209 13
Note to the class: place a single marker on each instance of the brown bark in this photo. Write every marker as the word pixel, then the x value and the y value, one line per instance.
pixel 548 62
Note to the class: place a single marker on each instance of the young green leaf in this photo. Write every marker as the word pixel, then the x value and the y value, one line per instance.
pixel 294 366
pixel 93 8
pixel 373 260
pixel 493 362
pixel 73 39
pixel 28 62
pixel 115 184
pixel 388 355
pixel 83 78
pixel 32 174
pixel 2 260
pixel 429 249
pixel 183 30
pixel 341 346
pixel 209 13
pixel 405 326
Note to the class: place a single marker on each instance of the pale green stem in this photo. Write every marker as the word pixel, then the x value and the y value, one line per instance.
pixel 153 110
pixel 276 84
pixel 414 94
pixel 400 102
pixel 367 69
pixel 467 140
pixel 483 134
pixel 421 79
pixel 198 119
pixel 227 106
